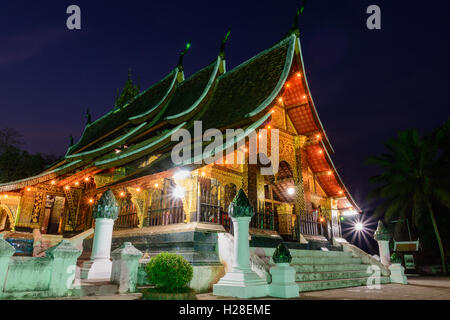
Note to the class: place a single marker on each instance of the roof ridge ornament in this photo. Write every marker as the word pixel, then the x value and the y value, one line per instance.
pixel 294 28
pixel 88 117
pixel 180 60
pixel 224 42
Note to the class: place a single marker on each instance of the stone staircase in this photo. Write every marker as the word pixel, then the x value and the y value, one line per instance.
pixel 321 270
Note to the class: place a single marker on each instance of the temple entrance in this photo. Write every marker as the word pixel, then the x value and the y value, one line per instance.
pixel 279 194
pixel 6 222
pixel 53 213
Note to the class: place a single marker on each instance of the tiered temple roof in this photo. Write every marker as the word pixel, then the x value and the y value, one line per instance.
pixel 242 97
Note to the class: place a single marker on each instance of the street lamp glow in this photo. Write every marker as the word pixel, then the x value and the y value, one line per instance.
pixel 359 226
pixel 181 174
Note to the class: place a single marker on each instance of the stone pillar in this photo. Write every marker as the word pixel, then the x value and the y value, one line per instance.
pixel 64 256
pixel 241 281
pixel 383 236
pixel 283 275
pixel 6 251
pixel 398 274
pixel 105 213
pixel 125 267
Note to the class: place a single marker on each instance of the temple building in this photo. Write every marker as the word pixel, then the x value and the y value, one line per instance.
pixel 128 151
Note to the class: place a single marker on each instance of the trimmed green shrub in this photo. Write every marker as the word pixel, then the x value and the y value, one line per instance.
pixel 169 272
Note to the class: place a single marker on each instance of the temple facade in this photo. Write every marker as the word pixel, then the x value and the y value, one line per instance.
pixel 128 151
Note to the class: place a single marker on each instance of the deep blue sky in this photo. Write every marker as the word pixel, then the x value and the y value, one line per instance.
pixel 367 85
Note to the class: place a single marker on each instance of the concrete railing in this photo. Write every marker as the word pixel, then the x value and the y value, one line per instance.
pixel 29 277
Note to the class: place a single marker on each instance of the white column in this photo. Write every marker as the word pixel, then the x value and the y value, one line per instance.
pixel 100 265
pixel 241 245
pixel 385 256
pixel 241 281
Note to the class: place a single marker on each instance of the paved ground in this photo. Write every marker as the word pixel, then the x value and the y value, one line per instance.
pixel 418 288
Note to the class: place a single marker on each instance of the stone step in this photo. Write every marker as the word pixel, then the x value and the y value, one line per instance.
pixel 310 253
pixel 334 284
pixel 329 267
pixel 333 275
pixel 101 287
pixel 325 260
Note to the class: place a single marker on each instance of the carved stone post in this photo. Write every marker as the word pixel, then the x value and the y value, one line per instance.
pixel 383 236
pixel 241 281
pixel 6 251
pixel 64 256
pixel 125 267
pixel 283 275
pixel 105 213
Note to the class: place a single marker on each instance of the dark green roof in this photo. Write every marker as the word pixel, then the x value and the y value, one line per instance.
pixel 142 103
pixel 243 89
pixel 189 91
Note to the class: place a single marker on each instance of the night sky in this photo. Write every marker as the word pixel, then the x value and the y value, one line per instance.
pixel 367 85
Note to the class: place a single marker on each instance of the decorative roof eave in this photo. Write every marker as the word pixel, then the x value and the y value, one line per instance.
pixel 185 115
pixel 312 105
pixel 150 113
pixel 340 181
pixel 136 153
pixel 40 178
pixel 108 147
pixel 284 75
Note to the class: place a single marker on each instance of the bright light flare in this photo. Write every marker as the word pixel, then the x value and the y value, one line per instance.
pixel 181 174
pixel 291 191
pixel 358 226
pixel 178 192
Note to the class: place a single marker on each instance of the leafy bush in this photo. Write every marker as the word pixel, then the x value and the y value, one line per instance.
pixel 169 272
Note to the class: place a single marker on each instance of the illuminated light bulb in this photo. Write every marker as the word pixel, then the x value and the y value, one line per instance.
pixel 272 111
pixel 287 85
pixel 260 135
pixel 28 189
pixel 269 127
pixel 322 219
pixel 342 218
pixel 280 100
pixel 304 97
pixel 245 150
pixel 329 173
pixel 53 182
pixel 291 191
pixel 318 136
pixel 178 192
pixel 320 151
pixel 298 74
pixel 138 189
pixel 91 200
pixel 122 194
pixel 340 192
pixel 6 196
pixel 67 187
pixel 203 174
pixel 86 179
pixel 156 185
pixel 77 183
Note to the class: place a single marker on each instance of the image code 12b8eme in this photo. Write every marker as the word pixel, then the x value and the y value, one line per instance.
pixel 224 159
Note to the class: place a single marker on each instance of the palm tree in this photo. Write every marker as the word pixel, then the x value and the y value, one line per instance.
pixel 416 174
